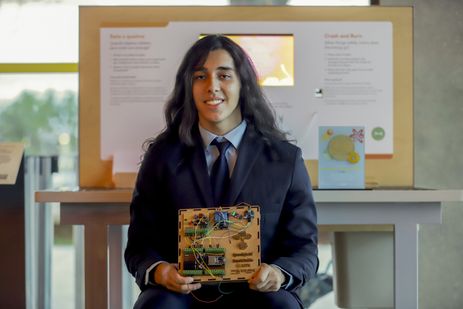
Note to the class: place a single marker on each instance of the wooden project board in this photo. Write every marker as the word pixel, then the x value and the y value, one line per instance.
pixel 380 171
pixel 219 244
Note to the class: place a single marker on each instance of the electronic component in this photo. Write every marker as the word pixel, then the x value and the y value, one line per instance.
pixel 221 219
pixel 219 244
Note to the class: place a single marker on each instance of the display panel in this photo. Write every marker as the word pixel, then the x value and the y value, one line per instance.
pixel 272 55
pixel 97 170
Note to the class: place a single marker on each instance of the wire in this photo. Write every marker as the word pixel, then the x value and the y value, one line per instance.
pixel 224 292
pixel 206 301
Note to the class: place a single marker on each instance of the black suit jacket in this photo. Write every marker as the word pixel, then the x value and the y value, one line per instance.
pixel 174 176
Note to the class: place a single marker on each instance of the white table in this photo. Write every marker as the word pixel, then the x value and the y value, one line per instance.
pixel 103 211
pixel 405 210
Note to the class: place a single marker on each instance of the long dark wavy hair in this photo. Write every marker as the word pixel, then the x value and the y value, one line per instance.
pixel 180 112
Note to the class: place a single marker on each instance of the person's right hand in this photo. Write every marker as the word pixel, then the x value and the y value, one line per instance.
pixel 167 275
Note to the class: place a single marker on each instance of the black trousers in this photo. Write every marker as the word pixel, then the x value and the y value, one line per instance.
pixel 214 296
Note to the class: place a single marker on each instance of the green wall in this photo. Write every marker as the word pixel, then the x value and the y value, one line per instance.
pixel 439 145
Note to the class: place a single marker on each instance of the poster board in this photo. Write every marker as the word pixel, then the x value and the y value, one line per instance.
pixel 380 171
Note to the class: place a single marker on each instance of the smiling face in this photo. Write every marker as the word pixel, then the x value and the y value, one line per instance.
pixel 216 92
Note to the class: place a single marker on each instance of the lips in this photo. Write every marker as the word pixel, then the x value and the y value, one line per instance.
pixel 215 101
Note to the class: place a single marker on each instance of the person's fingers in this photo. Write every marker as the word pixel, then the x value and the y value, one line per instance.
pixel 255 279
pixel 260 275
pixel 179 279
pixel 181 284
pixel 187 288
pixel 266 279
pixel 184 288
pixel 168 276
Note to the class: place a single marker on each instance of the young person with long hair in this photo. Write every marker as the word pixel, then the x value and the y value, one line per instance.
pixel 217 97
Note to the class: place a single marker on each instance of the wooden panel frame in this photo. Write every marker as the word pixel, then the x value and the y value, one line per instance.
pixel 395 172
pixel 236 233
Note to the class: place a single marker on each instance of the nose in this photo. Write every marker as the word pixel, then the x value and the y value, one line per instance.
pixel 214 85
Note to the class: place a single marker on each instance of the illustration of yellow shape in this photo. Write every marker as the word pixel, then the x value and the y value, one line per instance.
pixel 327 135
pixel 340 147
pixel 354 157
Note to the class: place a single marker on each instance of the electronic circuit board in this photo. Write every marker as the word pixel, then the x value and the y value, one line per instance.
pixel 219 244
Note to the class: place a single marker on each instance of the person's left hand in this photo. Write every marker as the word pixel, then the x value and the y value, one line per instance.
pixel 267 278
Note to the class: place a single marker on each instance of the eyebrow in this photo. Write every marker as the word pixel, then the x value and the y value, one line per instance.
pixel 221 68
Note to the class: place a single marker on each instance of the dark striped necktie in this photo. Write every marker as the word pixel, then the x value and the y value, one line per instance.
pixel 220 176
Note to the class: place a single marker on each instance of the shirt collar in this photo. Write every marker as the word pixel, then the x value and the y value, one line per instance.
pixel 234 136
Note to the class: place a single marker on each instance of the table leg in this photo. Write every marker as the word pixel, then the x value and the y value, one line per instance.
pixel 78 238
pixel 115 267
pixel 406 266
pixel 96 218
pixel 96 273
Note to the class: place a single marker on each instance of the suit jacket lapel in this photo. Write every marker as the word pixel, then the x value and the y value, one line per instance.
pixel 248 152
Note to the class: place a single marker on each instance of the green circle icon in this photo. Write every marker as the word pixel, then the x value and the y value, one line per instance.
pixel 378 133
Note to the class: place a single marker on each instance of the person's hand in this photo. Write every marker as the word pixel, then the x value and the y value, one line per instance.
pixel 167 275
pixel 267 278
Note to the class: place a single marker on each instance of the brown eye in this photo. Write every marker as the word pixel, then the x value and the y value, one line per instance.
pixel 199 77
pixel 225 76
